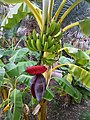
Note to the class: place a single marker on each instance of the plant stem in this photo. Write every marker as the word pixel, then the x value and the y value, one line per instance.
pixel 35 13
pixel 70 26
pixel 69 10
pixel 59 10
pixel 42 112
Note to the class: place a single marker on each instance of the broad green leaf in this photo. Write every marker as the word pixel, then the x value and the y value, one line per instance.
pixel 68 88
pixel 14 16
pixel 48 95
pixel 84 91
pixel 84 25
pixel 2 73
pixel 88 52
pixel 1 64
pixel 11 1
pixel 24 79
pixel 80 74
pixel 16 99
pixel 19 54
pixel 1 52
pixel 16 70
pixel 64 60
pixel 79 56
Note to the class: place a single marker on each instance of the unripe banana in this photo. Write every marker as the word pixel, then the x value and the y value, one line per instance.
pixel 58 36
pixel 51 49
pixel 38 44
pixel 28 44
pixel 52 28
pixel 57 29
pixel 46 46
pixel 51 43
pixel 33 44
pixel 44 39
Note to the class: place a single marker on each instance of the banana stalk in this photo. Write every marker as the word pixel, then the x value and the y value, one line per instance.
pixel 43 103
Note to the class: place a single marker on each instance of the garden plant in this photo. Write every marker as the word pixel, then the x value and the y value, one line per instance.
pixel 36 75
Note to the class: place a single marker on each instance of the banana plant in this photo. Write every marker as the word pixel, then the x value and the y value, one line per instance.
pixel 47 43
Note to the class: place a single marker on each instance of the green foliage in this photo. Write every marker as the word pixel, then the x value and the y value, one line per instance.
pixel 79 56
pixel 69 89
pixel 80 74
pixel 16 99
pixel 84 26
pixel 19 54
pixel 48 95
pixel 15 15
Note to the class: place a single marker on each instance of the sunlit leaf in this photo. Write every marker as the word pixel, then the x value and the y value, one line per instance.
pixel 79 56
pixel 80 74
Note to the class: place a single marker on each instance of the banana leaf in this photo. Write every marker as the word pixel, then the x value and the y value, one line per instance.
pixel 24 79
pixel 84 26
pixel 69 89
pixel 48 95
pixel 80 74
pixel 16 99
pixel 15 70
pixel 79 56
pixel 19 54
pixel 15 15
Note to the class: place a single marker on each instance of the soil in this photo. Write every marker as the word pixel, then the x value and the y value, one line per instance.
pixel 59 109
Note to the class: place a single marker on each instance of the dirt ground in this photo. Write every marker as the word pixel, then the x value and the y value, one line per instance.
pixel 58 109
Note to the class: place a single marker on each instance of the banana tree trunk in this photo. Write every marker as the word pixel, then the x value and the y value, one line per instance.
pixel 42 111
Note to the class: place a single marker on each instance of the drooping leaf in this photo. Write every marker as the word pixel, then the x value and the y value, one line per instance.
pixel 84 25
pixel 48 95
pixel 69 89
pixel 14 16
pixel 19 54
pixel 16 70
pixel 79 56
pixel 11 1
pixel 16 99
pixel 80 74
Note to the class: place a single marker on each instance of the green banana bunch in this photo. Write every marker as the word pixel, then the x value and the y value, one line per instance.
pixel 42 42
pixel 53 29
